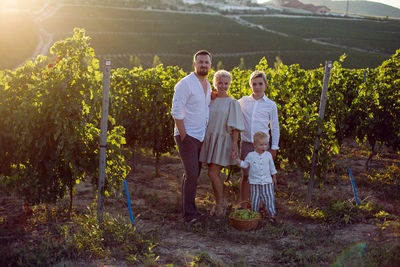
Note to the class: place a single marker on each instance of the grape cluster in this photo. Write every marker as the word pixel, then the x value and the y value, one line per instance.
pixel 244 214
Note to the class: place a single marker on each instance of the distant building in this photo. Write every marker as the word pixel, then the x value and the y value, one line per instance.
pixel 235 6
pixel 240 2
pixel 171 2
pixel 243 1
pixel 191 2
pixel 300 5
pixel 322 9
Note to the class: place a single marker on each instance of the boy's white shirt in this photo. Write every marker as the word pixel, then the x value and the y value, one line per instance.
pixel 262 167
pixel 191 105
pixel 255 113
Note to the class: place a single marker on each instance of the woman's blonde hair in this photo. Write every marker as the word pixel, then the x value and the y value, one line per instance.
pixel 258 74
pixel 219 74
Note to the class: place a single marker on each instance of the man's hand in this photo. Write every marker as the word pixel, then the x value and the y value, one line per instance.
pixel 182 136
pixel 181 128
pixel 273 152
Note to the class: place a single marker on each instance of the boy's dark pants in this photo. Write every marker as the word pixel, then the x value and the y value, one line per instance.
pixel 189 151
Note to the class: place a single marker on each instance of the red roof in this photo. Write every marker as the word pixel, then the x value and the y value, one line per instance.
pixel 298 4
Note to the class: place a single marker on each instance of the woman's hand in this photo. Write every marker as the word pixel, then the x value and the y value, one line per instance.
pixel 238 161
pixel 235 151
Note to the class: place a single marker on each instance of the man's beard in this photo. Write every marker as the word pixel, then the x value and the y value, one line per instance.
pixel 202 71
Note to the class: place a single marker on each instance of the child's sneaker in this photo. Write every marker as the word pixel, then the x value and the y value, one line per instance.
pixel 272 220
pixel 263 212
pixel 192 221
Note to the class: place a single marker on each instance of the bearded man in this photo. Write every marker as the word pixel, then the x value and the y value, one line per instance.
pixel 190 110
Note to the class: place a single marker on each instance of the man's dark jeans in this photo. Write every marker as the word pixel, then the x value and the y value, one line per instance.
pixel 189 151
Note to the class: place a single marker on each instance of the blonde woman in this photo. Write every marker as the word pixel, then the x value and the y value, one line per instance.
pixel 220 146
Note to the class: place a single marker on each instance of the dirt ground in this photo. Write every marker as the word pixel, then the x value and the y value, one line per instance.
pixel 156 208
pixel 156 202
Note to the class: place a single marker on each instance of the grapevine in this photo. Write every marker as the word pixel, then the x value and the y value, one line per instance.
pixel 51 110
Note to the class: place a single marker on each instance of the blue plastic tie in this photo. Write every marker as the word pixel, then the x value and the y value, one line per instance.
pixel 354 187
pixel 129 201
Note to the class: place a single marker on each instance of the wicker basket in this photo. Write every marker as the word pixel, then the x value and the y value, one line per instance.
pixel 245 224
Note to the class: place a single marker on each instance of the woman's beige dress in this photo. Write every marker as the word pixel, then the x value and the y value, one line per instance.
pixel 225 116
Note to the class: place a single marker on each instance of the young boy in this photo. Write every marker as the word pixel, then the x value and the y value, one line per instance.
pixel 262 174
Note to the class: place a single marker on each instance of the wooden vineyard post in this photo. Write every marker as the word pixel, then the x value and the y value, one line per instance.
pixel 103 141
pixel 322 104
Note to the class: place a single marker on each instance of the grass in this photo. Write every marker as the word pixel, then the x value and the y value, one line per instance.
pixel 334 231
pixel 377 36
pixel 55 236
pixel 386 182
pixel 148 33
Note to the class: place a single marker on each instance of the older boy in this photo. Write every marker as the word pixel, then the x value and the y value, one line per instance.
pixel 260 115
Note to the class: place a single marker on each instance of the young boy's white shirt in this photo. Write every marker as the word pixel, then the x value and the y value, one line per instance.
pixel 254 114
pixel 185 106
pixel 262 167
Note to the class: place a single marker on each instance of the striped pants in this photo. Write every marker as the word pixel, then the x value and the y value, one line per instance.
pixel 266 193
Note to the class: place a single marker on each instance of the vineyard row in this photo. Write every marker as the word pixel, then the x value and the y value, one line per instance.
pixel 49 128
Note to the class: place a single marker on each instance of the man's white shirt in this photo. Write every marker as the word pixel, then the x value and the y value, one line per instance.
pixel 259 116
pixel 191 105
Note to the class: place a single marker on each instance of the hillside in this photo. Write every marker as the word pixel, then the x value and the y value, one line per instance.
pixel 124 34
pixel 17 43
pixel 358 7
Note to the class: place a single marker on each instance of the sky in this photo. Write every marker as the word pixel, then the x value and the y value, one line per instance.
pixel 395 3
